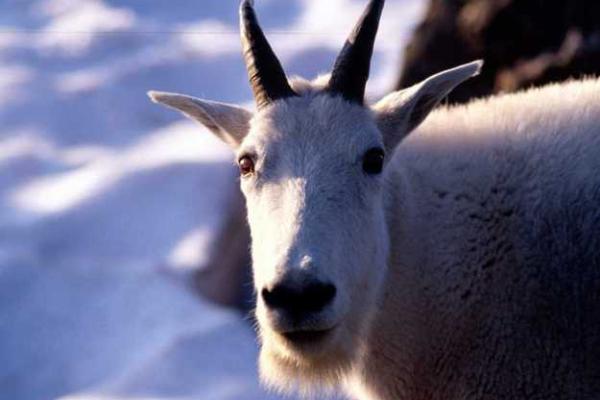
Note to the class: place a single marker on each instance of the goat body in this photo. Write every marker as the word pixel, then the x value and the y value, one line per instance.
pixel 493 287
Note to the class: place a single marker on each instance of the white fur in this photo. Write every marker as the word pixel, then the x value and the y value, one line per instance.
pixel 466 270
pixel 494 274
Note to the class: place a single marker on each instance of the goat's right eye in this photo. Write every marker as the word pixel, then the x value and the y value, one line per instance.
pixel 373 161
pixel 246 165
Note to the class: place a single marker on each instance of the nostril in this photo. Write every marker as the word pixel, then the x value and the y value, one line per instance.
pixel 310 298
pixel 317 296
pixel 273 298
pixel 281 296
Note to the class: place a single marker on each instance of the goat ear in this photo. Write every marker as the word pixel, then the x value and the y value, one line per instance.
pixel 400 112
pixel 228 122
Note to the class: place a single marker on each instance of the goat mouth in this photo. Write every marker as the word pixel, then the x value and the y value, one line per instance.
pixel 307 337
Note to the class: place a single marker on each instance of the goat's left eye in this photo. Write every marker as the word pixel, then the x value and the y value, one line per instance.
pixel 246 165
pixel 373 161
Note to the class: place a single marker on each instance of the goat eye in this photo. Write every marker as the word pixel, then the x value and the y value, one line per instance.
pixel 246 165
pixel 373 161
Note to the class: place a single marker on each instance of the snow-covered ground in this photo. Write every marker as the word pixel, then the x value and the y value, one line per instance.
pixel 107 200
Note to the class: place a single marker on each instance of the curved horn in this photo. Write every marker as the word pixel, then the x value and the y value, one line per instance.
pixel 351 68
pixel 267 78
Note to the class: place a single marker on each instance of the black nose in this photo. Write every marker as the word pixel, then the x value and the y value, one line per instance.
pixel 309 298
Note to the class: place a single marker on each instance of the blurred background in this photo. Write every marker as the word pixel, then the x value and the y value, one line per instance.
pixel 124 271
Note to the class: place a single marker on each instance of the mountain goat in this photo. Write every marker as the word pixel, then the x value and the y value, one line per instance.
pixel 461 261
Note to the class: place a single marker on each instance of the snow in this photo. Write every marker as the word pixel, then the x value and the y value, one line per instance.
pixel 108 202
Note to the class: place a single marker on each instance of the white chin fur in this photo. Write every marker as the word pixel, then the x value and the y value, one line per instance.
pixel 284 374
pixel 285 370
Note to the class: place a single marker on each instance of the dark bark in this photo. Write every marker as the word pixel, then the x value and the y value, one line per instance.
pixel 523 42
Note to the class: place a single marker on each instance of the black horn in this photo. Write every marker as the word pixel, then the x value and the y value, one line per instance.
pixel 351 68
pixel 267 78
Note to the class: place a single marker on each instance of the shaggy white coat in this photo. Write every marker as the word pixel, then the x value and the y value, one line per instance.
pixel 493 289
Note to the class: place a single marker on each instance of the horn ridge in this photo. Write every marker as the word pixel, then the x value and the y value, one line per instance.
pixel 351 69
pixel 265 73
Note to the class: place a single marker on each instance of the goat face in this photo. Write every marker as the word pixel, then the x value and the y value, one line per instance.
pixel 319 245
